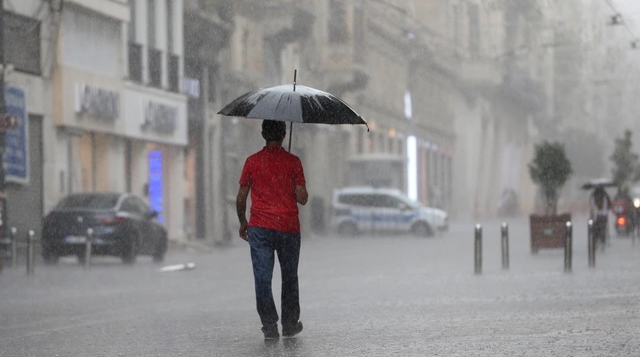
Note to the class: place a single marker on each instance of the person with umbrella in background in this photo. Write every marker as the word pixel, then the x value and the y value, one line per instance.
pixel 600 204
pixel 276 181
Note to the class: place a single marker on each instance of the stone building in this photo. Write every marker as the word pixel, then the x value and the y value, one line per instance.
pixel 119 112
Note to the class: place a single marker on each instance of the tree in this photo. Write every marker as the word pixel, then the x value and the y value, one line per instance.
pixel 624 159
pixel 550 169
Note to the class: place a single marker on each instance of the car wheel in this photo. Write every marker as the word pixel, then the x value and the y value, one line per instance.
pixel 50 257
pixel 131 251
pixel 348 229
pixel 422 229
pixel 159 251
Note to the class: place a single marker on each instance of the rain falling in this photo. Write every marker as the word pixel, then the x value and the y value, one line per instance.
pixel 319 177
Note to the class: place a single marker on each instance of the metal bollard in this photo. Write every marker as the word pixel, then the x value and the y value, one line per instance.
pixel 87 248
pixel 30 253
pixel 14 247
pixel 591 247
pixel 478 249
pixel 505 246
pixel 637 226
pixel 568 248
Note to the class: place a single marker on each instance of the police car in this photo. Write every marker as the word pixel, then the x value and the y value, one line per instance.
pixel 367 209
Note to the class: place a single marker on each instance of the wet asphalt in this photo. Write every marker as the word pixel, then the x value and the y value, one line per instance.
pixel 364 296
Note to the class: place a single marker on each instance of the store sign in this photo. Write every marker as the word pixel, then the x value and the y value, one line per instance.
pixel 98 102
pixel 160 117
pixel 16 157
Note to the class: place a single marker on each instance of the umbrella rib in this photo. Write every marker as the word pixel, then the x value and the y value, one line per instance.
pixel 278 105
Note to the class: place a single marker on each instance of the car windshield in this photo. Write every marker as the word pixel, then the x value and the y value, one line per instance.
pixel 90 201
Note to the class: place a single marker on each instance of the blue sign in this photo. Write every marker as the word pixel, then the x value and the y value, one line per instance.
pixel 156 194
pixel 16 157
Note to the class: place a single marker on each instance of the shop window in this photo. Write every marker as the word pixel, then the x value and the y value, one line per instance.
pixel 22 43
pixel 155 67
pixel 135 62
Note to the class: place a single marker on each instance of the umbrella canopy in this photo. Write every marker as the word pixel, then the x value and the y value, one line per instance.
pixel 601 182
pixel 293 103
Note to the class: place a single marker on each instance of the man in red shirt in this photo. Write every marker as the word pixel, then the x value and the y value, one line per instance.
pixel 276 181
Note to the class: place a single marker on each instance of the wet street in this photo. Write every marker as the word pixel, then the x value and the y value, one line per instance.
pixel 366 296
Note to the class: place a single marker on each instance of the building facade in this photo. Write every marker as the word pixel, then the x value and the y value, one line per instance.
pixel 118 108
pixel 27 92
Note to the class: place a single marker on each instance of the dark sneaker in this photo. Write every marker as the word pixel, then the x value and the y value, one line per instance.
pixel 271 333
pixel 290 331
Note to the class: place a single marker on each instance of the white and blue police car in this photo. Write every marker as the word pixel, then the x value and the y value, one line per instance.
pixel 368 209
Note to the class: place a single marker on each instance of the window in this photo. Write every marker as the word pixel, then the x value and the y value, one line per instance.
pixel 359 26
pixel 337 22
pixel 132 22
pixel 384 201
pixel 134 205
pixel 89 201
pixel 22 42
pixel 129 206
pixel 155 67
pixel 456 27
pixel 212 85
pixel 174 73
pixel 151 22
pixel 141 206
pixel 170 26
pixel 356 200
pixel 474 29
pixel 135 62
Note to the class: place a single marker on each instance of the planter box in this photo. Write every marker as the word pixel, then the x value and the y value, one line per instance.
pixel 548 232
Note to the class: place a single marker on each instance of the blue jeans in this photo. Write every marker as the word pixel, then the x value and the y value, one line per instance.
pixel 264 243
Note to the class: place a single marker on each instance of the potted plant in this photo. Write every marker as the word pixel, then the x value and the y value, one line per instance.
pixel 550 169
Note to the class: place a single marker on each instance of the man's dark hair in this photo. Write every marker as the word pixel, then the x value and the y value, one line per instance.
pixel 274 130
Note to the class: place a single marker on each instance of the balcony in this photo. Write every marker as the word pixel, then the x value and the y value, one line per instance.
pixel 135 62
pixel 174 73
pixel 520 89
pixel 479 73
pixel 207 32
pixel 155 68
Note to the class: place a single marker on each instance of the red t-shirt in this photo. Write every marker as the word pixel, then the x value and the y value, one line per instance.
pixel 273 174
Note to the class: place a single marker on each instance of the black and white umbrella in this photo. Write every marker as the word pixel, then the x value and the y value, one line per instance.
pixel 600 182
pixel 294 104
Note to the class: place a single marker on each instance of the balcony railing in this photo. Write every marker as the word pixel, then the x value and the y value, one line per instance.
pixel 155 67
pixel 174 73
pixel 135 62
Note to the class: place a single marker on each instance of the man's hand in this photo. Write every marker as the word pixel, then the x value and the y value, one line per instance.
pixel 301 194
pixel 244 234
pixel 241 208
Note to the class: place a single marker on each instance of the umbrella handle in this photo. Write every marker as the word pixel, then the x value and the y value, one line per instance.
pixel 295 77
pixel 290 134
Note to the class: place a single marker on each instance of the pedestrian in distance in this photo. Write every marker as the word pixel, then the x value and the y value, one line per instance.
pixel 275 179
pixel 600 204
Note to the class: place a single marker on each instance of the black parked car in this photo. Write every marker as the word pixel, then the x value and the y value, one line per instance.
pixel 123 225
